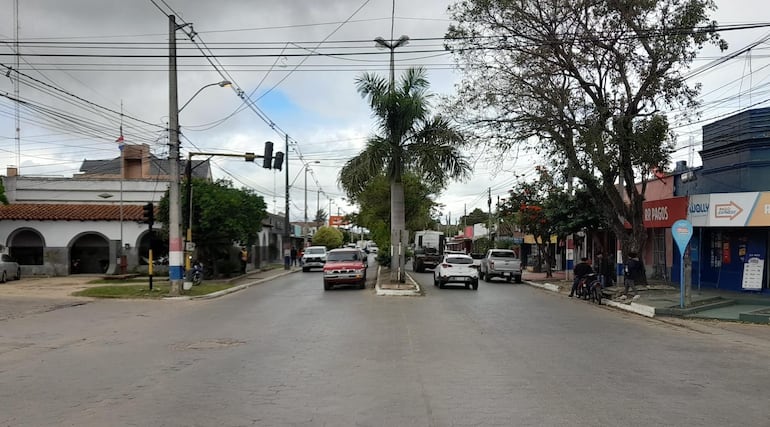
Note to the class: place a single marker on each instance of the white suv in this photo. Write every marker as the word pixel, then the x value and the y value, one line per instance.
pixel 313 256
pixel 457 268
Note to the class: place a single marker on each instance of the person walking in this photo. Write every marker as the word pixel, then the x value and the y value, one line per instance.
pixel 581 269
pixel 634 272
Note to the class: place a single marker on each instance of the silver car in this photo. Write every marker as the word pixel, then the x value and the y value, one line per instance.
pixel 9 268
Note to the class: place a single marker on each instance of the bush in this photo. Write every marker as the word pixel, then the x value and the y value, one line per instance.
pixel 383 259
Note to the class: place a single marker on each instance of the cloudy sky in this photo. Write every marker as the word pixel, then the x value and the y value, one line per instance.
pixel 85 60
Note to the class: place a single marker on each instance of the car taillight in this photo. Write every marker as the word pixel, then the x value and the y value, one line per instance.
pixel 446 265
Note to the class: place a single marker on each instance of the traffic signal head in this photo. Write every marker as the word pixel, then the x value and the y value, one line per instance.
pixel 268 158
pixel 149 214
pixel 278 162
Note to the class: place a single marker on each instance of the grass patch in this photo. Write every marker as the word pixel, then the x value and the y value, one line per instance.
pixel 130 290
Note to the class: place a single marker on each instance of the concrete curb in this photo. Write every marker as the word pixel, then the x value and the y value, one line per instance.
pixel 230 290
pixel 640 309
pixel 398 292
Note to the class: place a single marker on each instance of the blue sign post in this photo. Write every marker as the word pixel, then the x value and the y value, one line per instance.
pixel 681 230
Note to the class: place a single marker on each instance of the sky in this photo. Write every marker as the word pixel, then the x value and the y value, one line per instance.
pixel 118 63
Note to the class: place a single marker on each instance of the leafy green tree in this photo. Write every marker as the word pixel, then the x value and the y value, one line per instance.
pixel 374 204
pixel 221 217
pixel 476 216
pixel 3 197
pixel 329 237
pixel 588 79
pixel 543 208
pixel 409 140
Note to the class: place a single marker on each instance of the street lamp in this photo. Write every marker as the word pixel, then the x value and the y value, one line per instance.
pixel 223 83
pixel 392 46
pixel 304 224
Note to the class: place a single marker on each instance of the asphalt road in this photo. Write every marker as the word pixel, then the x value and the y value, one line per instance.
pixel 288 353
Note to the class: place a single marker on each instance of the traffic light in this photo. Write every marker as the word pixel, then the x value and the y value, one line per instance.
pixel 149 214
pixel 278 162
pixel 268 159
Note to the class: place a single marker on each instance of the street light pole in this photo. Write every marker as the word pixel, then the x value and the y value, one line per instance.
pixel 175 253
pixel 304 225
pixel 398 233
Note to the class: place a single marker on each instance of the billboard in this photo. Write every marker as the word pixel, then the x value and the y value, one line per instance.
pixel 337 221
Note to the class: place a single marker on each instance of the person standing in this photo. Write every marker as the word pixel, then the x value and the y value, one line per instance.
pixel 293 255
pixel 244 259
pixel 634 272
pixel 604 269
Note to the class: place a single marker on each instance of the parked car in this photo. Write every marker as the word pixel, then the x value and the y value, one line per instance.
pixel 345 266
pixel 503 263
pixel 456 268
pixel 9 268
pixel 313 257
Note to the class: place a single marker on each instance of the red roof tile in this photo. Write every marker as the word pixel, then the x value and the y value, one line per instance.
pixel 70 212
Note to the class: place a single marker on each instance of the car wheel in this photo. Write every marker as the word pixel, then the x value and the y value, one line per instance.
pixel 508 279
pixel 362 285
pixel 440 284
pixel 4 278
pixel 517 279
pixel 305 269
pixel 435 281
pixel 327 286
pixel 18 274
pixel 475 285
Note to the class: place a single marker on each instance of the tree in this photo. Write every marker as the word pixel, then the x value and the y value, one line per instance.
pixel 409 140
pixel 329 237
pixel 589 80
pixel 3 197
pixel 544 209
pixel 221 217
pixel 374 203
pixel 477 216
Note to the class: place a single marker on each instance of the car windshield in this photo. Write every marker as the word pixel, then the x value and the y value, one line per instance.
pixel 502 254
pixel 314 251
pixel 459 260
pixel 343 256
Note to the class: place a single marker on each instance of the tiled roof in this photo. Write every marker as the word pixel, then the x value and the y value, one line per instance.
pixel 70 212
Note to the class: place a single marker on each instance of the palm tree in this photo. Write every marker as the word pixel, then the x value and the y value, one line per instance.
pixel 409 139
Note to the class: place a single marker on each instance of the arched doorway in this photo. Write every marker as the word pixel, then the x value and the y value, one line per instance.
pixel 159 249
pixel 26 246
pixel 89 253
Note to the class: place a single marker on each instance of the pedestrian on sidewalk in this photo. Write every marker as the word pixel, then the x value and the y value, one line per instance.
pixel 634 272
pixel 293 256
pixel 581 269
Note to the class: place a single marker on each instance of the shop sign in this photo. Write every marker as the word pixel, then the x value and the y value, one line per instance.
pixel 662 213
pixel 750 209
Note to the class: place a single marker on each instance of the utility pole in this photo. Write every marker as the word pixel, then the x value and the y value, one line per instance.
pixel 174 235
pixel 489 219
pixel 317 206
pixel 286 232
pixel 304 224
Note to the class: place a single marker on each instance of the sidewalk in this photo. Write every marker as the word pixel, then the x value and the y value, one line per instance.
pixel 659 299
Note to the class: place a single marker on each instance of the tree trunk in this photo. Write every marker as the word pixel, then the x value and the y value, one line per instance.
pixel 398 234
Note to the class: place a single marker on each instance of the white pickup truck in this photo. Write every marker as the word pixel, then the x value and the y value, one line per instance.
pixel 503 263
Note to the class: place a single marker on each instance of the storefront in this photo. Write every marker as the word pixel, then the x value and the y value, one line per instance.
pixel 658 216
pixel 730 239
